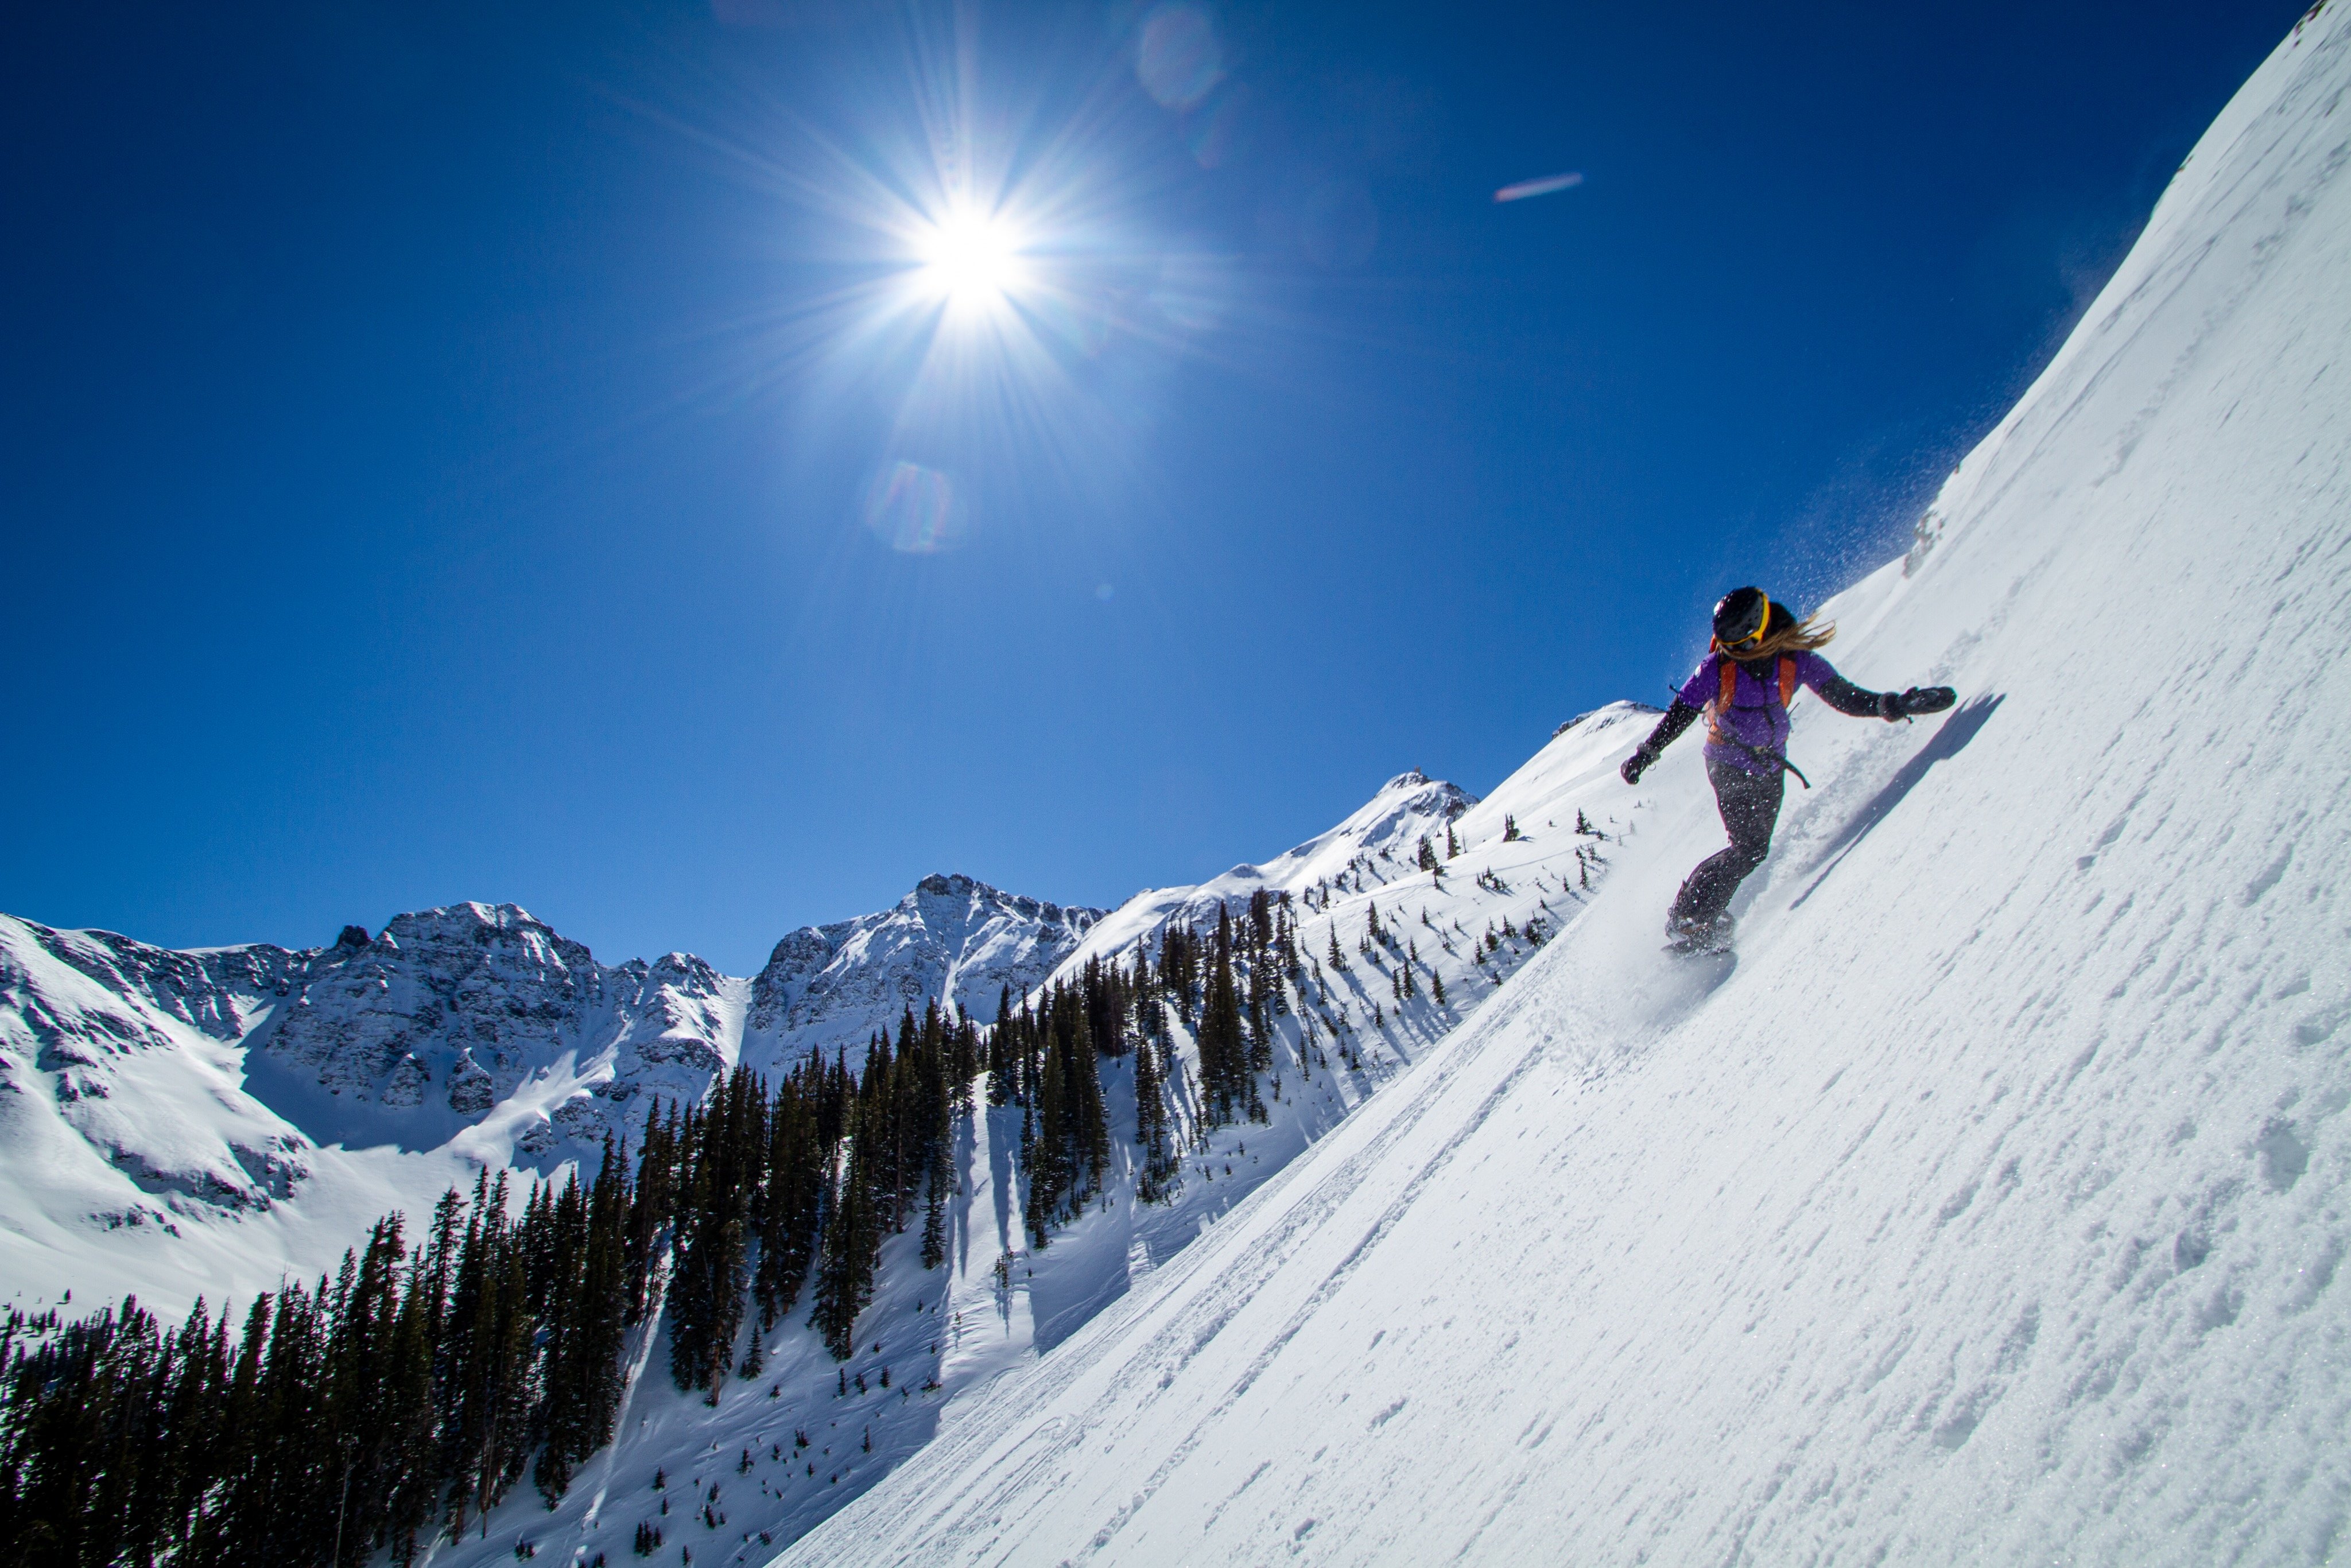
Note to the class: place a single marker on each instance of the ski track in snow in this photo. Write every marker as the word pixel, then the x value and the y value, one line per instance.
pixel 1990 1208
pixel 1987 1207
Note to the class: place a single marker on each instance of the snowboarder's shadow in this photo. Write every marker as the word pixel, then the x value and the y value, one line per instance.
pixel 1947 741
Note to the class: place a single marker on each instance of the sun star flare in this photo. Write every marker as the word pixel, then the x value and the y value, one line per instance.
pixel 972 259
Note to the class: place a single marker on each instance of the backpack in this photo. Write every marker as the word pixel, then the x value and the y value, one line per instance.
pixel 1722 703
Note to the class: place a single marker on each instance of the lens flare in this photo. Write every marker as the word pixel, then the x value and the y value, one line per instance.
pixel 1177 57
pixel 913 510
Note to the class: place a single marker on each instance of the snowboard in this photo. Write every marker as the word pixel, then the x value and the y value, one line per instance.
pixel 1711 942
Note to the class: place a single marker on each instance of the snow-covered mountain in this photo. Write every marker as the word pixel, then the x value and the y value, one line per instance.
pixel 181 1122
pixel 951 940
pixel 1521 871
pixel 1991 1205
pixel 187 1123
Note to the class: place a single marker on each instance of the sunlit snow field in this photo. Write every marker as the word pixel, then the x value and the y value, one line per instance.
pixel 1991 1208
pixel 1988 1207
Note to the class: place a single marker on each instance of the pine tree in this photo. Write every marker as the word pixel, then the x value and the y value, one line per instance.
pixel 1000 1058
pixel 851 1240
pixel 1179 969
pixel 792 1196
pixel 1151 1127
pixel 728 1145
pixel 1223 1062
pixel 937 1093
pixel 405 1394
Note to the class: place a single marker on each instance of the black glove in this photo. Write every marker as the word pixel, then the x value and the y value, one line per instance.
pixel 1892 705
pixel 1640 762
pixel 1929 699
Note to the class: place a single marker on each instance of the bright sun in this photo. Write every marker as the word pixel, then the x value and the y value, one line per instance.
pixel 972 259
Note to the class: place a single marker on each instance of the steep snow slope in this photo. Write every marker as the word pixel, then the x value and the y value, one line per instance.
pixel 945 1336
pixel 1992 1206
pixel 177 1124
pixel 1339 1033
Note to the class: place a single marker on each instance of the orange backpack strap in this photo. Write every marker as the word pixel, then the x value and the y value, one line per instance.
pixel 1721 704
pixel 1787 682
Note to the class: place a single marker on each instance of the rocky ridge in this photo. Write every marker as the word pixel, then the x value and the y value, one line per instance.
pixel 449 1019
pixel 951 940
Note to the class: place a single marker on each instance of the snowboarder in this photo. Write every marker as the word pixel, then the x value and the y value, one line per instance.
pixel 1761 653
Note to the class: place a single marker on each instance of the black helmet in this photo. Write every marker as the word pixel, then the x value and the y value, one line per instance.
pixel 1741 618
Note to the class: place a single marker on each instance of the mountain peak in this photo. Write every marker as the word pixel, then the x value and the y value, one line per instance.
pixel 952 938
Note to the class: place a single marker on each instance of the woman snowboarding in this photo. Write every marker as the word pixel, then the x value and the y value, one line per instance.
pixel 1761 653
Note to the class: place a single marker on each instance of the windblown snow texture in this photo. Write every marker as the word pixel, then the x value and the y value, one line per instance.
pixel 1992 1207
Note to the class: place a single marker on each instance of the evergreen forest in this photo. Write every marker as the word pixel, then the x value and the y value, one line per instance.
pixel 440 1367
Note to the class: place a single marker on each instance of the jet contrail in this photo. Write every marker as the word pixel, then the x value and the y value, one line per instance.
pixel 1542 187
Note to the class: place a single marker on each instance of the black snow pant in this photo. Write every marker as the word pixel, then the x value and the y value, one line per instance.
pixel 1749 804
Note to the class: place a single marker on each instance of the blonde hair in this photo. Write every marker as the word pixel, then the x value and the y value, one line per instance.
pixel 1788 636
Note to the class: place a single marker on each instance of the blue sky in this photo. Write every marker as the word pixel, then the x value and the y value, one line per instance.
pixel 462 452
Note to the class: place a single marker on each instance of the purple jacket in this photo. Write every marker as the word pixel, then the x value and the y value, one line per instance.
pixel 1756 716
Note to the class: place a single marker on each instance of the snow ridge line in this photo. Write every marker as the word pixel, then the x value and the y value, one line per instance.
pixel 2241 162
